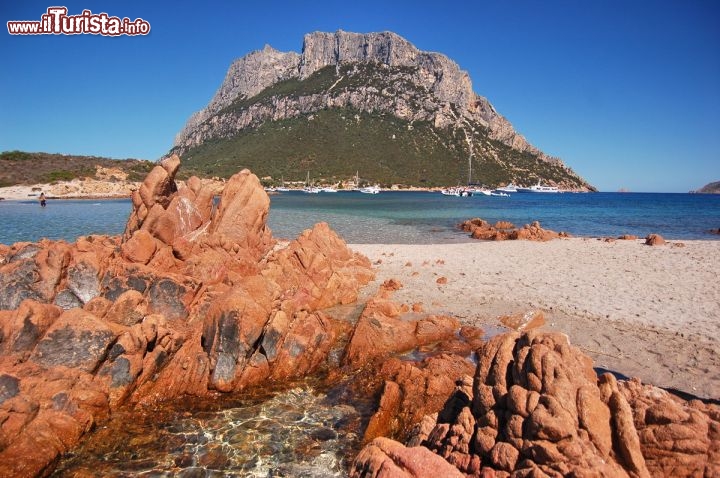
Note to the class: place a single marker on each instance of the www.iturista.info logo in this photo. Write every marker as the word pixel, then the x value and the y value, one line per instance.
pixel 57 22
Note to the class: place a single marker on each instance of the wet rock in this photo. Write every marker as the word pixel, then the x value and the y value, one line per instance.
pixel 523 321
pixel 232 327
pixel 654 240
pixel 628 237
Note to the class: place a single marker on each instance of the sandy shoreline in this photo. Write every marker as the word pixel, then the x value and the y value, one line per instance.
pixel 649 312
pixel 75 189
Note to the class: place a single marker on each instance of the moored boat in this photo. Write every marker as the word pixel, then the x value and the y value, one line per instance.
pixel 539 188
pixel 459 192
pixel 509 189
pixel 370 190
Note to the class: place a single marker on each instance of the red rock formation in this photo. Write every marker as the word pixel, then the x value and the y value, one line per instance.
pixel 385 458
pixel 382 331
pixel 188 301
pixel 503 230
pixel 536 408
pixel 654 240
pixel 523 321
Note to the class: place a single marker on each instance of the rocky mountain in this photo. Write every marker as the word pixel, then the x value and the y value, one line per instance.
pixel 710 188
pixel 370 102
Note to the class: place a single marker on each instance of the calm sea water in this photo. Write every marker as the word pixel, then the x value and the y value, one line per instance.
pixel 403 217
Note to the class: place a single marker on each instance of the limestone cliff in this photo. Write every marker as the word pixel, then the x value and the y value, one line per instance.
pixel 371 74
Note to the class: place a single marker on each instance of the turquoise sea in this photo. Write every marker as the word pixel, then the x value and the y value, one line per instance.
pixel 403 217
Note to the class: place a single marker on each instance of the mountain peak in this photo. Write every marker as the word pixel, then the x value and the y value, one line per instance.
pixel 376 73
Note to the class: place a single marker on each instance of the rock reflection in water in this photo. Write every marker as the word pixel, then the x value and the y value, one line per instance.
pixel 297 432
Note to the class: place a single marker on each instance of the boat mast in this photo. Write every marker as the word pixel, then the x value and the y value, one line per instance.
pixel 469 181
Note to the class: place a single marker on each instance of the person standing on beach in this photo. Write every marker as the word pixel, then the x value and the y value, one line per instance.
pixel 42 199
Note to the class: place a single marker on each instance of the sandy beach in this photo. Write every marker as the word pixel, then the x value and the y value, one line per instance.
pixel 75 189
pixel 642 311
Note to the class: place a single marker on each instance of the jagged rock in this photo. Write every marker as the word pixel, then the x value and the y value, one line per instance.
pixel 385 458
pixel 677 438
pixel 186 302
pixel 536 408
pixel 318 268
pixel 382 331
pixel 241 218
pixel 480 229
pixel 413 390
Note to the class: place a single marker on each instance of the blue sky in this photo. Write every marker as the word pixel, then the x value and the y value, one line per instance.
pixel 627 93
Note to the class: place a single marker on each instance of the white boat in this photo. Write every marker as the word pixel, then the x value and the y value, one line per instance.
pixel 282 189
pixel 484 192
pixel 367 189
pixel 328 189
pixel 308 188
pixel 539 188
pixel 509 189
pixel 370 190
pixel 459 192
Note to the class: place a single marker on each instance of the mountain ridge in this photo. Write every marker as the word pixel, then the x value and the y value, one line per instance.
pixel 376 73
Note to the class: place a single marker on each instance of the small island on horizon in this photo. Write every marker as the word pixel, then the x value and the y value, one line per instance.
pixel 710 188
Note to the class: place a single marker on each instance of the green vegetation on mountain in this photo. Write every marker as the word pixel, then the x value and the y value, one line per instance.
pixel 334 144
pixel 20 167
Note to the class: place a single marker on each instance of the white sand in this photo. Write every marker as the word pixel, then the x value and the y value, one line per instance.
pixel 651 312
pixel 77 188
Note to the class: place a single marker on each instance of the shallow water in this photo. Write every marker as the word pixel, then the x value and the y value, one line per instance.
pixel 298 432
pixel 403 217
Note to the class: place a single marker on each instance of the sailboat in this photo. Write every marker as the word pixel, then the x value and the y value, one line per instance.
pixel 308 188
pixel 367 189
pixel 282 188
